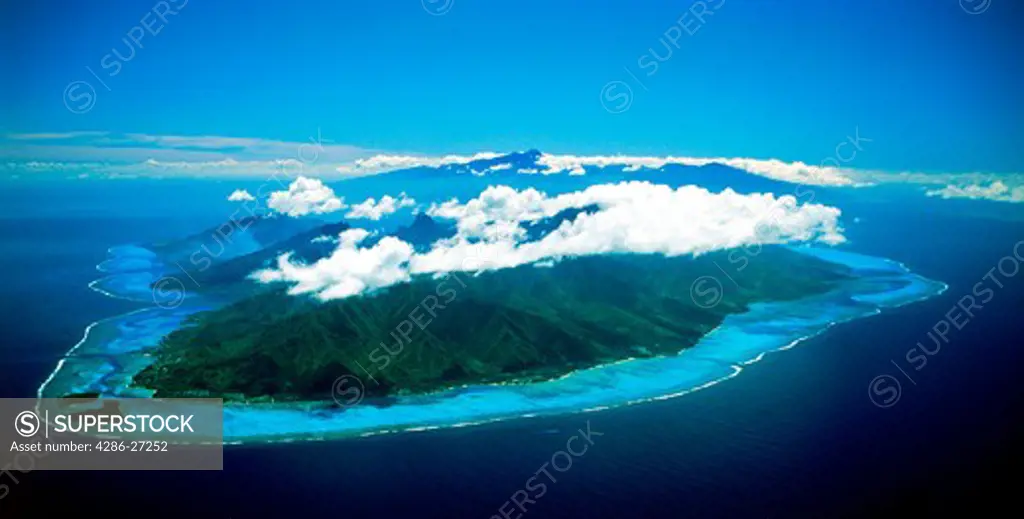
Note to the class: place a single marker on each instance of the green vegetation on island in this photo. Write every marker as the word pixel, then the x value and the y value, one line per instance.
pixel 509 326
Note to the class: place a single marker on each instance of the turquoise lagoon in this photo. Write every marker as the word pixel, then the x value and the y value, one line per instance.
pixel 113 350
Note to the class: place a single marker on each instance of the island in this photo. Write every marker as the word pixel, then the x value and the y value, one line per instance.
pixel 512 326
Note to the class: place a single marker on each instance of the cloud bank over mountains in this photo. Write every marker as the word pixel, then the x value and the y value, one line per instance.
pixel 628 217
pixel 550 164
pixel 98 154
pixel 348 271
pixel 796 172
pixel 996 191
pixel 385 163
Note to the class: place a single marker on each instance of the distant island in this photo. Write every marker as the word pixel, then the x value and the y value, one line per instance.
pixel 509 326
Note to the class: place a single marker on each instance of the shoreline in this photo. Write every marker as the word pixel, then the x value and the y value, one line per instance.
pixel 594 389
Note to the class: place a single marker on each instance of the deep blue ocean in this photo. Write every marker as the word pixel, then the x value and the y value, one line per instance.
pixel 796 435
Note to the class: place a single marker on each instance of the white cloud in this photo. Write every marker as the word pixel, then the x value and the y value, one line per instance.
pixel 776 169
pixel 349 270
pixel 240 195
pixel 548 164
pixel 223 163
pixel 380 163
pixel 631 217
pixel 35 165
pixel 112 153
pixel 324 239
pixel 374 210
pixel 496 204
pixel 996 191
pixel 53 135
pixel 305 196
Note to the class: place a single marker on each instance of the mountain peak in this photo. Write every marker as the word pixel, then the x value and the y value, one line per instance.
pixel 515 161
pixel 424 231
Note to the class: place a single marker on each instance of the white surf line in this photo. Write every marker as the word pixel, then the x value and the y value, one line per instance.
pixel 85 335
pixel 92 287
pixel 737 370
pixel 322 436
pixel 329 436
pixel 69 353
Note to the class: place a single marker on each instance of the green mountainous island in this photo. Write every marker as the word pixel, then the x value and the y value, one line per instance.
pixel 509 326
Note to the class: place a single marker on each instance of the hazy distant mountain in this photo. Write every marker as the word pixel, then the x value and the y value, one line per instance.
pixel 229 240
pixel 307 246
pixel 424 231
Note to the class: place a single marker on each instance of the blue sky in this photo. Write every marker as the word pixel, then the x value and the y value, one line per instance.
pixel 934 87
